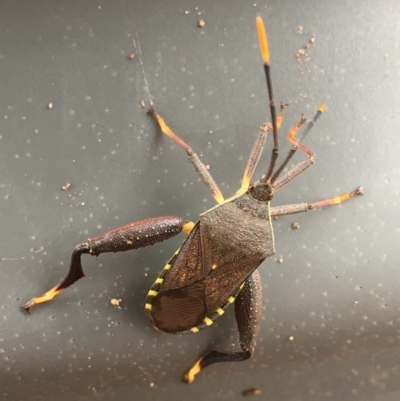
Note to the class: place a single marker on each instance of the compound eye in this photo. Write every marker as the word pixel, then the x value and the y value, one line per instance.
pixel 251 188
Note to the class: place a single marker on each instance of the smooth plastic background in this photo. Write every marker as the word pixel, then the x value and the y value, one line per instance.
pixel 336 291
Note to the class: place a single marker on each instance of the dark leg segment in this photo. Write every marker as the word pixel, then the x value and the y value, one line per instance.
pixel 248 313
pixel 292 151
pixel 293 173
pixel 305 207
pixel 132 236
pixel 296 143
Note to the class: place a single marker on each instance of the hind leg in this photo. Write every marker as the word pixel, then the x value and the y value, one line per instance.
pixel 248 313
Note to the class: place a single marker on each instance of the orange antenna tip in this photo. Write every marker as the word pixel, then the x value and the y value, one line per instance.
pixel 322 107
pixel 262 37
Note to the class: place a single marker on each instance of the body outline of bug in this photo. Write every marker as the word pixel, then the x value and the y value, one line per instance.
pixel 217 263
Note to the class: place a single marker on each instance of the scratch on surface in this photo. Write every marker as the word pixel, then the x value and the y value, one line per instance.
pixel 139 50
pixel 137 46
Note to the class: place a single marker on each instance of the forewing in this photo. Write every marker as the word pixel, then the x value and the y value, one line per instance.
pixel 222 282
pixel 192 263
pixel 200 278
pixel 179 309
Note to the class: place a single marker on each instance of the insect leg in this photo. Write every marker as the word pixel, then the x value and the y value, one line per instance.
pixel 305 207
pixel 296 144
pixel 132 236
pixel 257 150
pixel 293 173
pixel 192 157
pixel 305 163
pixel 248 313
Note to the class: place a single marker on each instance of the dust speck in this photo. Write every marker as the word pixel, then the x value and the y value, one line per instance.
pixel 116 302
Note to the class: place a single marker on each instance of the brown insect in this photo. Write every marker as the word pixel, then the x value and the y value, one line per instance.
pixel 217 263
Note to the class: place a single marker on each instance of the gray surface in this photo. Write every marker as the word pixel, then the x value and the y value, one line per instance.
pixel 336 291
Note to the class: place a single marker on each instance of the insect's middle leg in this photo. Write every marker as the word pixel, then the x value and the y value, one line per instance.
pixel 192 157
pixel 248 313
pixel 132 236
pixel 296 141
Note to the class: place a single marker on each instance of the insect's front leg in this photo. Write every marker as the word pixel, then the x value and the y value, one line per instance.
pixel 132 236
pixel 248 313
pixel 284 210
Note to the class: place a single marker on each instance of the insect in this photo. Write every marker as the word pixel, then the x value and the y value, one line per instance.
pixel 217 263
